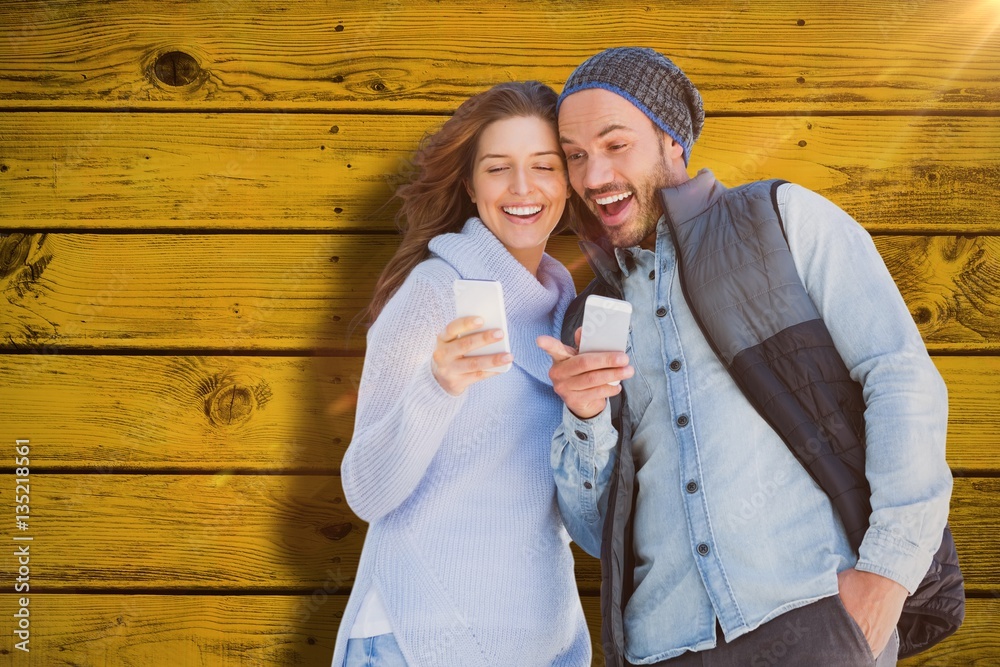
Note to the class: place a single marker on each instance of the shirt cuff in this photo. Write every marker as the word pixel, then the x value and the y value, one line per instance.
pixel 893 557
pixel 590 436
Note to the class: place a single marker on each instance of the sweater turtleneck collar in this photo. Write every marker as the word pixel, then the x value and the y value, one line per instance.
pixel 534 305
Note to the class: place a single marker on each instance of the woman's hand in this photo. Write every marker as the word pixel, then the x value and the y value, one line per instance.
pixel 452 369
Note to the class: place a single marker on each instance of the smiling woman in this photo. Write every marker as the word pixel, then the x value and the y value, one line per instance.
pixel 466 561
pixel 519 185
pixel 441 195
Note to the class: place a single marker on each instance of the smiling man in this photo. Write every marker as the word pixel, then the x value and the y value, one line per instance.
pixel 771 356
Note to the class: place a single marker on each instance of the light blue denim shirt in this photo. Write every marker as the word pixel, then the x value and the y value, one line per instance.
pixel 729 527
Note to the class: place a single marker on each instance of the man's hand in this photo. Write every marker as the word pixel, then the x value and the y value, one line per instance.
pixel 581 380
pixel 874 602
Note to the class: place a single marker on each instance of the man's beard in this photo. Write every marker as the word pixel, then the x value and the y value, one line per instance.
pixel 645 204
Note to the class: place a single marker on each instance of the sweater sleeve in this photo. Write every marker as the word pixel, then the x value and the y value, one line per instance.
pixel 906 402
pixel 402 413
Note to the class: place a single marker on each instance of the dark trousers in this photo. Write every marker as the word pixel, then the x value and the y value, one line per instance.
pixel 821 634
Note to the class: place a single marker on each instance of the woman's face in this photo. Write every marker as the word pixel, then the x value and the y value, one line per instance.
pixel 519 184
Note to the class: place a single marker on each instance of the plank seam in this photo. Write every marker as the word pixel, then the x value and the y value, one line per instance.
pixel 368 111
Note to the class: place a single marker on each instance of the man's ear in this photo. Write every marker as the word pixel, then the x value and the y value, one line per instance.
pixel 675 151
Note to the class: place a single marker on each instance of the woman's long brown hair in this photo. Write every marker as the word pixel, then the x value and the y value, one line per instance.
pixel 435 201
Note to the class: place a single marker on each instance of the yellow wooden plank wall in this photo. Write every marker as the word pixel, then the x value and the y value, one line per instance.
pixel 194 206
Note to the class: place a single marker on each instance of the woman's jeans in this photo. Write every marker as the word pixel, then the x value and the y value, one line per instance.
pixel 378 651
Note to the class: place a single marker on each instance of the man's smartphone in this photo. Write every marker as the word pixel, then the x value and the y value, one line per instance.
pixel 605 325
pixel 484 298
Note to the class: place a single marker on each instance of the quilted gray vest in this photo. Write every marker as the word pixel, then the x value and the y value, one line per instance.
pixel 739 280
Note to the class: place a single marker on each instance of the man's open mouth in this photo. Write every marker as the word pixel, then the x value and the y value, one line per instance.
pixel 612 205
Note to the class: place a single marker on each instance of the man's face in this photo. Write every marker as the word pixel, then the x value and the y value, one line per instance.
pixel 617 161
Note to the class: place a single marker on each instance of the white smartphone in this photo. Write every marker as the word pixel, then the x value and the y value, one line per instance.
pixel 605 325
pixel 484 298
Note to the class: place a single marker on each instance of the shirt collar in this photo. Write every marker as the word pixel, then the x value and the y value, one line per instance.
pixel 626 256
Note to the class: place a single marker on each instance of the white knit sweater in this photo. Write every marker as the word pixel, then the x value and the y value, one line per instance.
pixel 466 546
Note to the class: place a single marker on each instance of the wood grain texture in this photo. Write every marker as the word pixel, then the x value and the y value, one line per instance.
pixel 119 630
pixel 973 418
pixel 280 414
pixel 218 292
pixel 383 55
pixel 135 414
pixel 976 644
pixel 281 630
pixel 188 532
pixel 945 280
pixel 301 292
pixel 286 533
pixel 975 504
pixel 285 171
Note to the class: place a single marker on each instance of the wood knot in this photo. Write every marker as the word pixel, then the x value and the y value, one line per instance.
pixel 13 253
pixel 336 531
pixel 960 249
pixel 230 404
pixel 930 313
pixel 229 401
pixel 177 69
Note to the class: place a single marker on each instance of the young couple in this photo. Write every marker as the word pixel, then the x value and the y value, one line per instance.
pixel 717 545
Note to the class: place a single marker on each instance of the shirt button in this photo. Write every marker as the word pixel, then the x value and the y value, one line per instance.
pixel 588 485
pixel 675 365
pixel 692 486
pixel 652 274
pixel 703 549
pixel 661 311
pixel 581 435
pixel 682 421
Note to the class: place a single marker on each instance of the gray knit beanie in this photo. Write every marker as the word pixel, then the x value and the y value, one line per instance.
pixel 650 81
